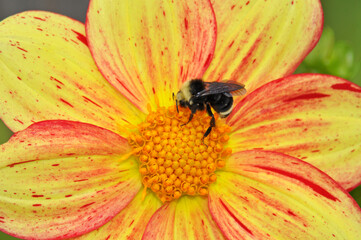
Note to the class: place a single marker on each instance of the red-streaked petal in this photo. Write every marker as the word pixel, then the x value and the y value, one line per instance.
pixel 259 41
pixel 130 223
pixel 47 72
pixel 147 48
pixel 313 117
pixel 61 179
pixel 185 218
pixel 266 195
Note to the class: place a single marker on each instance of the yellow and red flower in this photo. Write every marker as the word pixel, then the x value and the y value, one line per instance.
pixel 100 152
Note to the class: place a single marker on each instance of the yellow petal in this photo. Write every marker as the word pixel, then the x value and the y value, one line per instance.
pixel 47 72
pixel 130 223
pixel 259 41
pixel 265 195
pixel 148 48
pixel 313 117
pixel 185 218
pixel 61 179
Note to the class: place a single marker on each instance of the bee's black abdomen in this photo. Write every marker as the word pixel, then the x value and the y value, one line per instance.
pixel 221 102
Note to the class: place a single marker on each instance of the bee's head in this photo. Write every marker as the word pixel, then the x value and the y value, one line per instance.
pixel 181 99
pixel 180 96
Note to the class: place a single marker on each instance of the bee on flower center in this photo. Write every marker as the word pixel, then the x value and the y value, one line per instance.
pixel 198 95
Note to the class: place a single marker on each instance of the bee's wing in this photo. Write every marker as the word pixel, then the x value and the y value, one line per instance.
pixel 234 88
pixel 239 92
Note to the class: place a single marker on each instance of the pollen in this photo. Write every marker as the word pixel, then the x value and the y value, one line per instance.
pixel 174 159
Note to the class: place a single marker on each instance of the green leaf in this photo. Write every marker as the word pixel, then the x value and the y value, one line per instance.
pixel 331 57
pixel 4 236
pixel 5 134
pixel 356 194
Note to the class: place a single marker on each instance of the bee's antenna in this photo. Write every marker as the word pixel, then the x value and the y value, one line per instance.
pixel 176 102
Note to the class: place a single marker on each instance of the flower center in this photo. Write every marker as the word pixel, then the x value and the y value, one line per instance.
pixel 173 159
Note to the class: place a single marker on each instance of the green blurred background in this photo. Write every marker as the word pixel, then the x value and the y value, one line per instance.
pixel 340 53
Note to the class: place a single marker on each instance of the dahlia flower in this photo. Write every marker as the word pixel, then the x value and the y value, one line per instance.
pixel 100 152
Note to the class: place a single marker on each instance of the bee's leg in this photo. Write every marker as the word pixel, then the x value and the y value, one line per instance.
pixel 212 123
pixel 193 111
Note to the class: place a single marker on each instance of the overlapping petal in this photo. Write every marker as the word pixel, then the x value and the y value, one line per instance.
pixel 130 223
pixel 266 195
pixel 259 41
pixel 186 218
pixel 148 48
pixel 47 72
pixel 61 179
pixel 313 117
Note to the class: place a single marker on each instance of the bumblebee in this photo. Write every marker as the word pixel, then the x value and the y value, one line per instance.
pixel 198 95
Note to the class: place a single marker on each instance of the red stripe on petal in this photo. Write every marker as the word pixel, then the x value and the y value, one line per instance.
pixel 81 37
pixel 37 195
pixel 307 97
pixel 22 49
pixel 346 86
pixel 125 87
pixel 67 103
pixel 87 205
pixel 41 19
pixel 235 218
pixel 312 185
pixel 13 164
pixel 92 102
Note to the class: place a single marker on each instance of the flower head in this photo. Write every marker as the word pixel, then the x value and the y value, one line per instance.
pixel 100 150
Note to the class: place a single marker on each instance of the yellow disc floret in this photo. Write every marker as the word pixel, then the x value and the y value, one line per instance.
pixel 174 160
